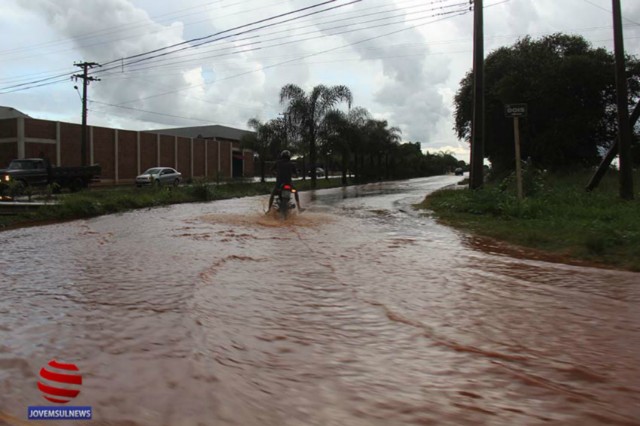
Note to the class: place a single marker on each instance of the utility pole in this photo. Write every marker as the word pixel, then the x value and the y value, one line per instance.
pixel 477 124
pixel 85 82
pixel 285 126
pixel 624 127
pixel 611 154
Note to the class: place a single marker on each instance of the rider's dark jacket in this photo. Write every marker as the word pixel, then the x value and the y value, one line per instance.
pixel 285 169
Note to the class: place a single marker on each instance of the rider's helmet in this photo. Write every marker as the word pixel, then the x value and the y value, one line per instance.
pixel 285 155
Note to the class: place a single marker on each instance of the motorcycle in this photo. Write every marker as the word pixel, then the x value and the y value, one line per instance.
pixel 283 202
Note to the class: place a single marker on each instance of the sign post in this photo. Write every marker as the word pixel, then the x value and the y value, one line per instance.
pixel 516 111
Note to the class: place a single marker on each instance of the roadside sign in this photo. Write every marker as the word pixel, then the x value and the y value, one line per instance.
pixel 515 110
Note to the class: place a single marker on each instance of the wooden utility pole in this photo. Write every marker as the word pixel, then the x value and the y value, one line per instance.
pixel 624 127
pixel 611 154
pixel 477 124
pixel 85 82
pixel 516 111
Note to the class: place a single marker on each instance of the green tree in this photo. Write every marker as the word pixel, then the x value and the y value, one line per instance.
pixel 343 133
pixel 569 88
pixel 381 144
pixel 308 111
pixel 267 141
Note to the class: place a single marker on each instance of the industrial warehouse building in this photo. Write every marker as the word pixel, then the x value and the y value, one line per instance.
pixel 212 152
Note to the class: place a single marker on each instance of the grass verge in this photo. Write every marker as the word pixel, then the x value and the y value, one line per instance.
pixel 558 216
pixel 102 201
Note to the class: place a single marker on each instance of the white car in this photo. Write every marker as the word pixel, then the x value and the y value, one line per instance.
pixel 319 172
pixel 159 176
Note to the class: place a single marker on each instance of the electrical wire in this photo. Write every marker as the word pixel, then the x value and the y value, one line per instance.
pixel 40 82
pixel 607 10
pixel 198 39
pixel 149 112
pixel 33 84
pixel 200 58
pixel 298 58
pixel 224 37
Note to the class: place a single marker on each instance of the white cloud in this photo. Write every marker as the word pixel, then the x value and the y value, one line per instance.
pixel 408 78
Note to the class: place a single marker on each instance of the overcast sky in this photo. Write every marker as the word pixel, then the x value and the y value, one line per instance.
pixel 403 59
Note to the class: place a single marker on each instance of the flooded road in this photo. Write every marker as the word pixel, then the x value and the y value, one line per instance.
pixel 358 312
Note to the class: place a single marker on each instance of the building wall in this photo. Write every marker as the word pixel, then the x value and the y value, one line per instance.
pixel 199 157
pixel 127 154
pixel 70 137
pixel 212 158
pixel 41 150
pixel 225 159
pixel 8 128
pixel 122 154
pixel 249 166
pixel 148 151
pixel 167 151
pixel 8 152
pixel 184 157
pixel 104 151
pixel 41 129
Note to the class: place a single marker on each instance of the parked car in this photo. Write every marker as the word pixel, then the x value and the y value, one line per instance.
pixel 319 172
pixel 459 171
pixel 159 176
pixel 40 172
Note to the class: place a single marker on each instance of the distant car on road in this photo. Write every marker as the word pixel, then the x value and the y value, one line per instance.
pixel 459 171
pixel 319 172
pixel 40 172
pixel 159 176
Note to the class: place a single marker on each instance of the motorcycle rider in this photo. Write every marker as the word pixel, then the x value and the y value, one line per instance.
pixel 284 169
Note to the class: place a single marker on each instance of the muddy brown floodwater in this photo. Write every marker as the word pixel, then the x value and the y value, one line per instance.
pixel 358 312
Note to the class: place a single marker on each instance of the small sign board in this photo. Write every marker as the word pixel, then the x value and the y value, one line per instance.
pixel 515 110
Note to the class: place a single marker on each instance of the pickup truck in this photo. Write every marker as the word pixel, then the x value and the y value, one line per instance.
pixel 39 172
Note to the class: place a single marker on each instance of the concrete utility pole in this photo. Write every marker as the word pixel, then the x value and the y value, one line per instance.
pixel 624 127
pixel 477 124
pixel 85 82
pixel 611 154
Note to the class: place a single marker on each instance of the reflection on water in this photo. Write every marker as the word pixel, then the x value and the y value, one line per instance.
pixel 356 312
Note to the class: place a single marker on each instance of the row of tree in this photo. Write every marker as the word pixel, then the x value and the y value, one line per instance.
pixel 320 133
pixel 570 90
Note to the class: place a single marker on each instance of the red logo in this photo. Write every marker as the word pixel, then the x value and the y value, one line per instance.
pixel 59 382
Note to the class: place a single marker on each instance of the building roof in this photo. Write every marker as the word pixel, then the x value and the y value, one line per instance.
pixel 214 131
pixel 8 112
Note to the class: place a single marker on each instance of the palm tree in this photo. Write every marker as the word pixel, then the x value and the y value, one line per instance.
pixel 344 134
pixel 258 142
pixel 392 142
pixel 309 111
pixel 335 134
pixel 266 141
pixel 358 118
pixel 381 143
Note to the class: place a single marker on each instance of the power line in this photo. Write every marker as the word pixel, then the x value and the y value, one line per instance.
pixel 198 56
pixel 225 37
pixel 134 25
pixel 609 11
pixel 262 27
pixel 20 89
pixel 121 105
pixel 65 77
pixel 33 84
pixel 150 112
pixel 221 32
pixel 302 57
pixel 176 64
